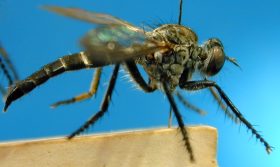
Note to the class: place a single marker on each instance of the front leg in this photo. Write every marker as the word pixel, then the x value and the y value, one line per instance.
pixel 202 84
pixel 136 76
pixel 224 107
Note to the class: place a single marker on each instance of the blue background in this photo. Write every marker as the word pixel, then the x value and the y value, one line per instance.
pixel 250 32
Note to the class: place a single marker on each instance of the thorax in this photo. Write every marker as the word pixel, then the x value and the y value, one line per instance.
pixel 170 65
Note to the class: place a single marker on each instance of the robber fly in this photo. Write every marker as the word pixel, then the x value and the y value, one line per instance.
pixel 8 69
pixel 169 54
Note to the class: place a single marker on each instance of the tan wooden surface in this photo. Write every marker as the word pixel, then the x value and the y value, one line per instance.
pixel 144 148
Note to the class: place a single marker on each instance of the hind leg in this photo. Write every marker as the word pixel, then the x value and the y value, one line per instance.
pixel 86 95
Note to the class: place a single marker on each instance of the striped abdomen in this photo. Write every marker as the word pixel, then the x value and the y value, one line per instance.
pixel 67 63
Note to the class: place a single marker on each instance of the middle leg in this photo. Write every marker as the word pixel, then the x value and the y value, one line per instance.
pixel 180 121
pixel 104 105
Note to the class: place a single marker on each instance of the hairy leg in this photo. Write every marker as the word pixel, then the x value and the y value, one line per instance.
pixel 202 84
pixel 104 105
pixel 180 121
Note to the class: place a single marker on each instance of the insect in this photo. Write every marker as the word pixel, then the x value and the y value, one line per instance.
pixel 169 54
pixel 8 69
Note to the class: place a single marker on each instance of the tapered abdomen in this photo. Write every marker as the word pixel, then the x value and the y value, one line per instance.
pixel 67 63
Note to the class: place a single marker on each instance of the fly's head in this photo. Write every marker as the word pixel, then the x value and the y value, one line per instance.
pixel 215 56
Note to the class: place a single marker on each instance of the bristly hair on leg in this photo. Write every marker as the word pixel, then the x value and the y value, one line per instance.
pixel 202 84
pixel 104 105
pixel 223 106
pixel 180 121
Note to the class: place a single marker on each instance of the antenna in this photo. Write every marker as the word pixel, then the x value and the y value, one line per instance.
pixel 180 12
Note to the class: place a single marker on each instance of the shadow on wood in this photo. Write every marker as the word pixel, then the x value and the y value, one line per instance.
pixel 145 148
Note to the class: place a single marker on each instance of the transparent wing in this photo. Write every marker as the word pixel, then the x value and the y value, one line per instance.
pixel 92 17
pixel 114 41
pixel 111 44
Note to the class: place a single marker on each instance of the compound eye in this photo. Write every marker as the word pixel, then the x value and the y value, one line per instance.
pixel 216 55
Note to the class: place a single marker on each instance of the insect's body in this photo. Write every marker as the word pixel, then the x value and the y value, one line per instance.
pixel 172 65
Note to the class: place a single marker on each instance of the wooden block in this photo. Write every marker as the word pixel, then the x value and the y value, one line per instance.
pixel 144 148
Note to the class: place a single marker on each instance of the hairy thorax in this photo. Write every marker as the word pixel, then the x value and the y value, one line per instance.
pixel 170 65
